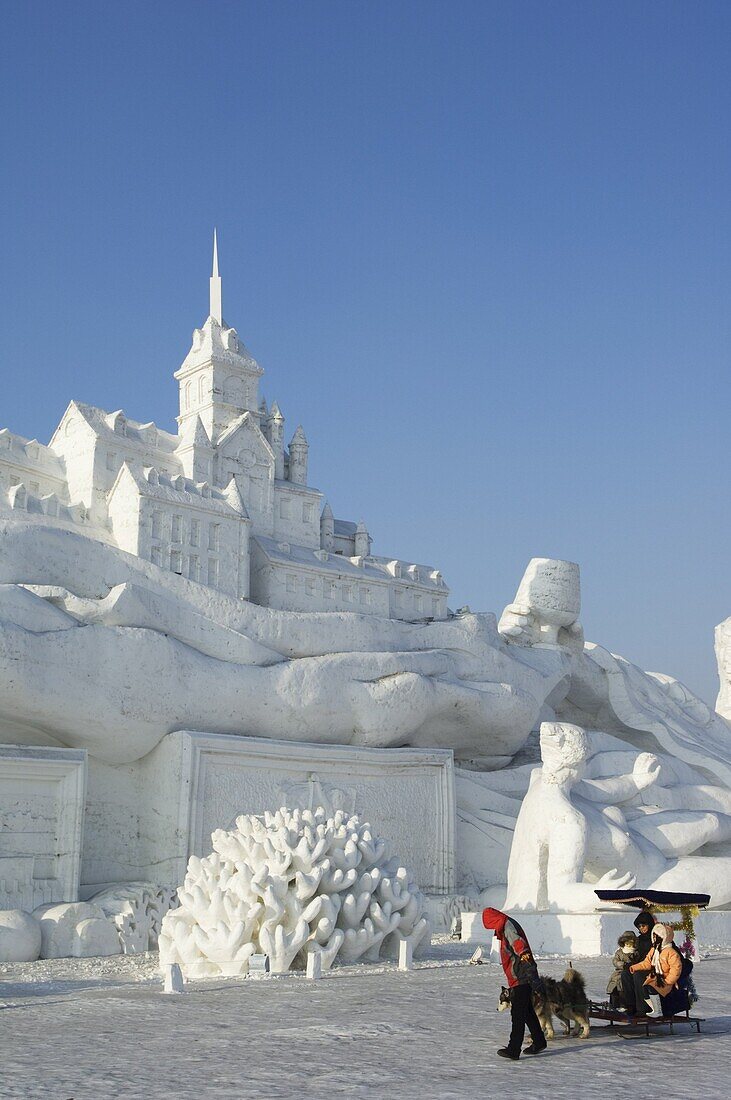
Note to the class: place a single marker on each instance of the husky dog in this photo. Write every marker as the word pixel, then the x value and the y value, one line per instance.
pixel 566 999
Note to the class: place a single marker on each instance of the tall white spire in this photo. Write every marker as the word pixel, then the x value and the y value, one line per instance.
pixel 215 306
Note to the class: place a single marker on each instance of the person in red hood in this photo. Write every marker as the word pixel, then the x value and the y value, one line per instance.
pixel 522 975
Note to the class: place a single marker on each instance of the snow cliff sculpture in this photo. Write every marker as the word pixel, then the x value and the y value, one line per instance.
pixel 80 619
pixel 576 833
pixel 285 885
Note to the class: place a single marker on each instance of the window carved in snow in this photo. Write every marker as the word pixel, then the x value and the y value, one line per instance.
pixel 194 532
pixel 214 536
pixel 177 527
pixel 176 561
pixel 213 572
pixel 291 582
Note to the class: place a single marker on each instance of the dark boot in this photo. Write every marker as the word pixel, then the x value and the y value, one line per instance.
pixel 534 1048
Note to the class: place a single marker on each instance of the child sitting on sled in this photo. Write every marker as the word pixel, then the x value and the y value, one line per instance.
pixel 621 987
pixel 666 985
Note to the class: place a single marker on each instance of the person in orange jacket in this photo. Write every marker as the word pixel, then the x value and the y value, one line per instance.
pixel 665 965
pixel 522 975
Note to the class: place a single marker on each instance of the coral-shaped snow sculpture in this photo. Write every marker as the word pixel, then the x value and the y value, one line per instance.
pixel 288 883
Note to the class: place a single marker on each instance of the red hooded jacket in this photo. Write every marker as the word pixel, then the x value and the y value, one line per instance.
pixel 515 953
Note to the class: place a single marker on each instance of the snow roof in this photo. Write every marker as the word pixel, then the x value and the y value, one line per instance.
pixel 148 435
pixel 31 453
pixel 372 568
pixel 181 490
pixel 292 554
pixel 218 341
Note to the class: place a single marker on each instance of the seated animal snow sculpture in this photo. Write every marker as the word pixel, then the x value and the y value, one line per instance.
pixel 564 835
pixel 288 884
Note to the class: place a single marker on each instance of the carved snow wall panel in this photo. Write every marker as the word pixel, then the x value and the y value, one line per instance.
pixel 41 817
pixel 406 794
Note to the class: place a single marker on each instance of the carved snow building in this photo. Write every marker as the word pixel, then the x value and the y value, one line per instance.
pixel 223 503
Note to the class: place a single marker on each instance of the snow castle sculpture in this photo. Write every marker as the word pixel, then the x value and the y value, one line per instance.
pixel 221 502
pixel 172 603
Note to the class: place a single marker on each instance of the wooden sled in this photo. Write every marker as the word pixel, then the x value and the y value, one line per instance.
pixel 640 1025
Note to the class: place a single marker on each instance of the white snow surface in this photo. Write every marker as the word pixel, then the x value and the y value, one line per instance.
pixel 96 1029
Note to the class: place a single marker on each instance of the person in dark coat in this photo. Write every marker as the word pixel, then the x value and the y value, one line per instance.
pixel 644 922
pixel 522 976
pixel 620 986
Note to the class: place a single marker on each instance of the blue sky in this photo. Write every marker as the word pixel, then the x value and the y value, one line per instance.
pixel 482 251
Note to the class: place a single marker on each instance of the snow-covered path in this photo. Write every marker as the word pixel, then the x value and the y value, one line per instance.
pixel 99 1029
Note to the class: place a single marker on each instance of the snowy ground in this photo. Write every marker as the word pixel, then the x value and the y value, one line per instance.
pixel 101 1028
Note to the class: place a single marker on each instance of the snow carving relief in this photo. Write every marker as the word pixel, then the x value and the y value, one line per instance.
pixel 288 884
pixel 136 909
